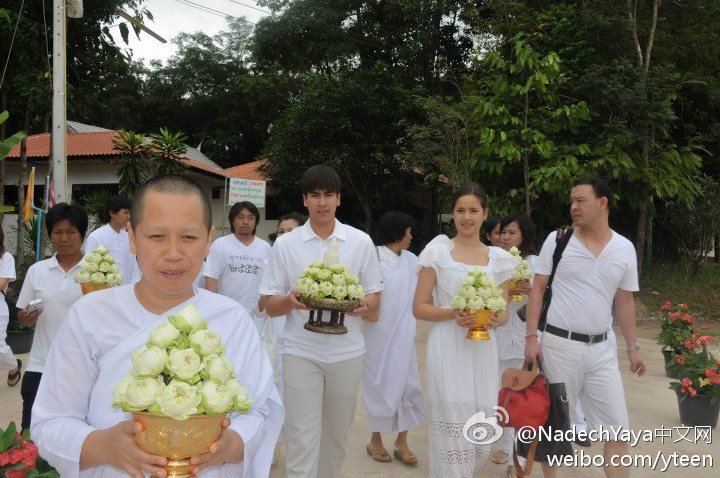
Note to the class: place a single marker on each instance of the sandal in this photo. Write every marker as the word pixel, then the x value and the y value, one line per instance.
pixel 14 377
pixel 500 457
pixel 380 455
pixel 406 457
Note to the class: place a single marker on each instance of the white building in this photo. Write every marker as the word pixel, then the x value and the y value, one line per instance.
pixel 90 168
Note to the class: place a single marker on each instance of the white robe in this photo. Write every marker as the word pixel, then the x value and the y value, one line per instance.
pixel 391 384
pixel 92 352
pixel 462 375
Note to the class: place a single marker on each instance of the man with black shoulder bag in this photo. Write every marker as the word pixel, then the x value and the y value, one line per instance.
pixel 598 267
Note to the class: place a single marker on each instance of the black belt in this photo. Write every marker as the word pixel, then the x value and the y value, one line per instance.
pixel 566 334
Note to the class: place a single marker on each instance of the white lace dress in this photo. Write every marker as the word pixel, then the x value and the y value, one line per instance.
pixel 462 375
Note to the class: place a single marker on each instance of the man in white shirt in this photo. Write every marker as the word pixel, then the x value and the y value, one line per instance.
pixel 236 262
pixel 597 267
pixel 114 236
pixel 321 373
pixel 74 425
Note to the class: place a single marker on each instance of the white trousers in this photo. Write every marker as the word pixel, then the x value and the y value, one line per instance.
pixel 592 375
pixel 7 358
pixel 320 401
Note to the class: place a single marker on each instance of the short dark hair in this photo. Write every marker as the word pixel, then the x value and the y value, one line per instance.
pixel 295 216
pixel 114 204
pixel 470 189
pixel 527 229
pixel 392 226
pixel 320 177
pixel 74 213
pixel 2 242
pixel 237 208
pixel 170 184
pixel 599 185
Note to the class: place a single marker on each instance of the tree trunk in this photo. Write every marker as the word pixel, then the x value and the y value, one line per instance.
pixel 642 230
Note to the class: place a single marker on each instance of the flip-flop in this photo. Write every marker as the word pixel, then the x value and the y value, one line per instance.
pixel 406 457
pixel 14 377
pixel 380 455
pixel 500 457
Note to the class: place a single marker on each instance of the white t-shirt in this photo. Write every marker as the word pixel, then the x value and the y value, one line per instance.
pixel 119 245
pixel 237 268
pixel 7 271
pixel 290 255
pixel 584 286
pixel 57 289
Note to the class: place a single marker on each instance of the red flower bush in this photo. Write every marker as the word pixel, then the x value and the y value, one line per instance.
pixel 19 456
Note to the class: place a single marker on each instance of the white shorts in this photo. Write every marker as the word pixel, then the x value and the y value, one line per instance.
pixel 592 375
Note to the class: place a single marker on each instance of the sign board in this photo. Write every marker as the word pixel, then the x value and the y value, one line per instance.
pixel 247 190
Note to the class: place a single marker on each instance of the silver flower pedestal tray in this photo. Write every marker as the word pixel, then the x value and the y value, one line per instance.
pixel 337 309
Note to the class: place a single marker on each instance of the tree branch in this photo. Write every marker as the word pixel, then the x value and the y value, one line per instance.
pixel 651 37
pixel 633 30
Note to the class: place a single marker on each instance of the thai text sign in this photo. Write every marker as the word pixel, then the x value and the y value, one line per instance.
pixel 247 190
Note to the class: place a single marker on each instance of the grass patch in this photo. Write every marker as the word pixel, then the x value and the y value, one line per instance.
pixel 677 282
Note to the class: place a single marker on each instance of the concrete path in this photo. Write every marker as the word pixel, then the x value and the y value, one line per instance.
pixel 651 405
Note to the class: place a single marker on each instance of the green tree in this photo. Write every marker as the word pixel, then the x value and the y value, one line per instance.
pixel 523 120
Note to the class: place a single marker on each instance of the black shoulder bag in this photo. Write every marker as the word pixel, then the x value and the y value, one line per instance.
pixel 562 238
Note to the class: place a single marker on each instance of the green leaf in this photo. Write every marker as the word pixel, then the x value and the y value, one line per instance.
pixel 124 32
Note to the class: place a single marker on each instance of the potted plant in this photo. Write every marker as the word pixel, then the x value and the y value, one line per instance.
pixel 676 328
pixel 19 456
pixel 698 385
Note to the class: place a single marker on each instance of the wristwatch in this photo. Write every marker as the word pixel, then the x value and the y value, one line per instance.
pixel 633 348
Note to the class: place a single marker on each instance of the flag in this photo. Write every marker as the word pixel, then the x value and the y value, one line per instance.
pixel 28 212
pixel 51 196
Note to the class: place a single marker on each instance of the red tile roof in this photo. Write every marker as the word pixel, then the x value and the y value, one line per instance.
pixel 93 144
pixel 247 171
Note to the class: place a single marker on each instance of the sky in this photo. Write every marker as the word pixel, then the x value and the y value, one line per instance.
pixel 175 16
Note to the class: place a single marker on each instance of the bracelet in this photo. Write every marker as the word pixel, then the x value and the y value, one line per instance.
pixel 633 348
pixel 531 335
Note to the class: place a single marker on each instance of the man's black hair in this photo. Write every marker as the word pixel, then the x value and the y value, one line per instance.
pixel 75 215
pixel 320 177
pixel 237 208
pixel 599 185
pixel 114 204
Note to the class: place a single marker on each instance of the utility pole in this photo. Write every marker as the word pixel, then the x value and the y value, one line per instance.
pixel 59 103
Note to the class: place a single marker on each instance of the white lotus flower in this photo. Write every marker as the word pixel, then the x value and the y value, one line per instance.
pixel 142 393
pixel 102 250
pixel 219 369
pixel 217 397
pixel 178 400
pixel 242 401
pixel 82 277
pixel 97 278
pixel 104 266
pixel 338 279
pixel 184 364
pixel 205 342
pixel 89 267
pixel 326 288
pixel 163 335
pixel 188 320
pixel 340 292
pixel 148 361
pixel 355 291
pixel 93 258
pixel 120 391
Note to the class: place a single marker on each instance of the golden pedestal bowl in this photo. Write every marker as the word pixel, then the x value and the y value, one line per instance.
pixel 513 293
pixel 87 288
pixel 479 331
pixel 178 440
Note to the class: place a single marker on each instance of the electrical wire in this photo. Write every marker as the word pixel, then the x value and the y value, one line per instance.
pixel 7 62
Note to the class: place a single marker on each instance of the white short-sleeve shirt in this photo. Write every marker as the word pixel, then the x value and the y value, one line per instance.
pixel 119 245
pixel 7 271
pixel 237 268
pixel 290 255
pixel 57 289
pixel 584 286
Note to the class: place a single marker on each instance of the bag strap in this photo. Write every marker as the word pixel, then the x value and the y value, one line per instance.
pixel 521 472
pixel 561 241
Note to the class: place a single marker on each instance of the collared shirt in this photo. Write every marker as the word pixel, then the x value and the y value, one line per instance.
pixel 584 285
pixel 119 245
pixel 290 255
pixel 47 281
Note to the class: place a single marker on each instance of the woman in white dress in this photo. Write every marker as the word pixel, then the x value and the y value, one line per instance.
pixel 517 230
pixel 391 384
pixel 462 375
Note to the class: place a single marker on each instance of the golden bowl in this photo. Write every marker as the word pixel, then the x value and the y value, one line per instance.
pixel 178 440
pixel 513 293
pixel 345 305
pixel 479 331
pixel 87 288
